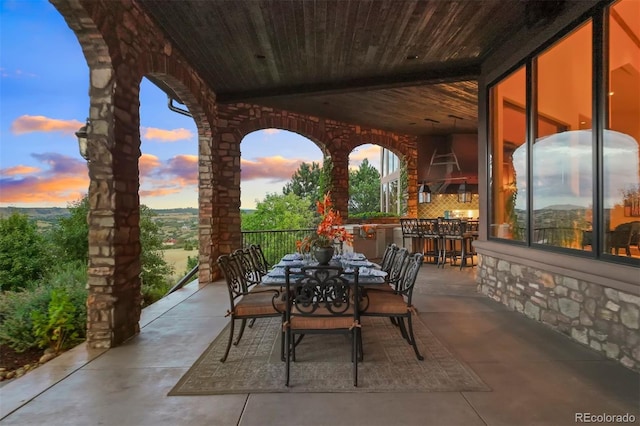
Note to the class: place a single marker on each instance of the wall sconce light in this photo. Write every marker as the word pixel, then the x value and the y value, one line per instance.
pixel 82 135
pixel 464 195
pixel 424 193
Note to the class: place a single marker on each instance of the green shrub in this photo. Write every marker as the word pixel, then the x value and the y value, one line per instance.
pixel 153 292
pixel 371 215
pixel 16 323
pixel 55 328
pixel 16 307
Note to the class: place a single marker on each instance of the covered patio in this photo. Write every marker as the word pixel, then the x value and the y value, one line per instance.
pixel 407 76
pixel 535 375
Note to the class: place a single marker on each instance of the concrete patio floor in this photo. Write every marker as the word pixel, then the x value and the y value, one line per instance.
pixel 537 376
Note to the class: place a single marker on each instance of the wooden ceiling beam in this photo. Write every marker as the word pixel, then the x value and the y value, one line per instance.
pixel 448 74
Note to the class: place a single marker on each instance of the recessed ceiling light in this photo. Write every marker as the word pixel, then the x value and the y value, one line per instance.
pixel 411 57
pixel 611 93
pixel 260 56
pixel 583 122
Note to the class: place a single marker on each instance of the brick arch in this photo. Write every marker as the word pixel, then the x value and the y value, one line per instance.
pixel 201 106
pixel 303 127
pixel 121 44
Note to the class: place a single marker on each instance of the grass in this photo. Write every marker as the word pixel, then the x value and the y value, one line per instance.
pixel 178 259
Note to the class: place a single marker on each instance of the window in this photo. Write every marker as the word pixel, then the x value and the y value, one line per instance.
pixel 562 175
pixel 574 205
pixel 621 188
pixel 508 217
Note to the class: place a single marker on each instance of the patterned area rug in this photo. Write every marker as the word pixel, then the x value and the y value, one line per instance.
pixel 323 363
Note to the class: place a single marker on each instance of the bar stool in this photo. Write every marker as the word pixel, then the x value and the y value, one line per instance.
pixel 430 236
pixel 452 231
pixel 409 230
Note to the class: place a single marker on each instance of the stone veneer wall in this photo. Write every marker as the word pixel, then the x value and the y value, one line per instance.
pixel 605 319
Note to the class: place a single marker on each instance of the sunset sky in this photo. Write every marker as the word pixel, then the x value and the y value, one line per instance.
pixel 44 100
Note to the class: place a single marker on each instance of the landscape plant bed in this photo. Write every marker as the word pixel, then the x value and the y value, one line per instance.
pixel 11 361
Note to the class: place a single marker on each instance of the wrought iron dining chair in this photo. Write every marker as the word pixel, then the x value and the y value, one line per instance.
pixel 320 300
pixel 246 303
pixel 397 305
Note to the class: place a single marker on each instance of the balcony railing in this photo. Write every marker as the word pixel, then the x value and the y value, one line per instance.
pixel 276 243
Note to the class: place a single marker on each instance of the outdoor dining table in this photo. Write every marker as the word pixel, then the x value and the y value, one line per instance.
pixel 369 272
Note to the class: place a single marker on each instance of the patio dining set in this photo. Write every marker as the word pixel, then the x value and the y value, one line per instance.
pixel 311 298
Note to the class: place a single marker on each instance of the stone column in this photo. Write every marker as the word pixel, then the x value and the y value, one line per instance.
pixel 114 301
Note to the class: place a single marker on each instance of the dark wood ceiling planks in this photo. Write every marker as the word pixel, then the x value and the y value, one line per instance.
pixel 345 59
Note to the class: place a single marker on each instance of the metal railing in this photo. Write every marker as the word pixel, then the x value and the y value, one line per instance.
pixel 183 281
pixel 276 243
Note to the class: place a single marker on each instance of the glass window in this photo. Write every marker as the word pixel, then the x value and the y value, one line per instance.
pixel 508 217
pixel 621 189
pixel 562 174
pixel 393 196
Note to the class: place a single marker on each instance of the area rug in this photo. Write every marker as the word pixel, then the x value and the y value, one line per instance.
pixel 323 363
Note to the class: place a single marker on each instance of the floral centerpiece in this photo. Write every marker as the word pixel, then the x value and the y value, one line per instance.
pixel 330 230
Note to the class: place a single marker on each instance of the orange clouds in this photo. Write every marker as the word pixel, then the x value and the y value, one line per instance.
pixel 370 152
pixel 276 168
pixel 163 135
pixel 271 131
pixel 18 170
pixel 38 123
pixel 147 164
pixel 65 179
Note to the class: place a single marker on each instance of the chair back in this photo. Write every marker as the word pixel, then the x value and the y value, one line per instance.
pixel 322 291
pixel 395 273
pixel 408 280
pixel 247 267
pixel 451 228
pixel 428 228
pixel 236 284
pixel 409 226
pixel 388 256
pixel 259 259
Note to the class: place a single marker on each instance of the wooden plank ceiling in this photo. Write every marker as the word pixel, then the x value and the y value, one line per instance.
pixel 388 64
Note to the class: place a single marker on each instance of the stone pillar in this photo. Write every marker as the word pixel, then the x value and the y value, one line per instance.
pixel 340 178
pixel 114 301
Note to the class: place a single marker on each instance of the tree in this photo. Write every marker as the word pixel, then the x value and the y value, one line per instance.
pixel 364 189
pixel 155 269
pixel 279 212
pixel 24 255
pixel 304 182
pixel 70 234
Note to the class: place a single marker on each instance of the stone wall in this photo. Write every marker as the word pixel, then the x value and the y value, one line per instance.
pixel 605 319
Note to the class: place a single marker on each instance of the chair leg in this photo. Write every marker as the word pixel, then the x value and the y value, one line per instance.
pixel 242 326
pixel 253 321
pixel 288 354
pixel 226 353
pixel 403 329
pixel 355 356
pixel 413 339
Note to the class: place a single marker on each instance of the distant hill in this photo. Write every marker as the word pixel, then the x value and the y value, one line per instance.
pixel 38 213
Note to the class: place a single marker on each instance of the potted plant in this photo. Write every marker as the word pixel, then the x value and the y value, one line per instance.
pixel 330 231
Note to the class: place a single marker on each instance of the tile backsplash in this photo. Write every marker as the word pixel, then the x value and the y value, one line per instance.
pixel 441 202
